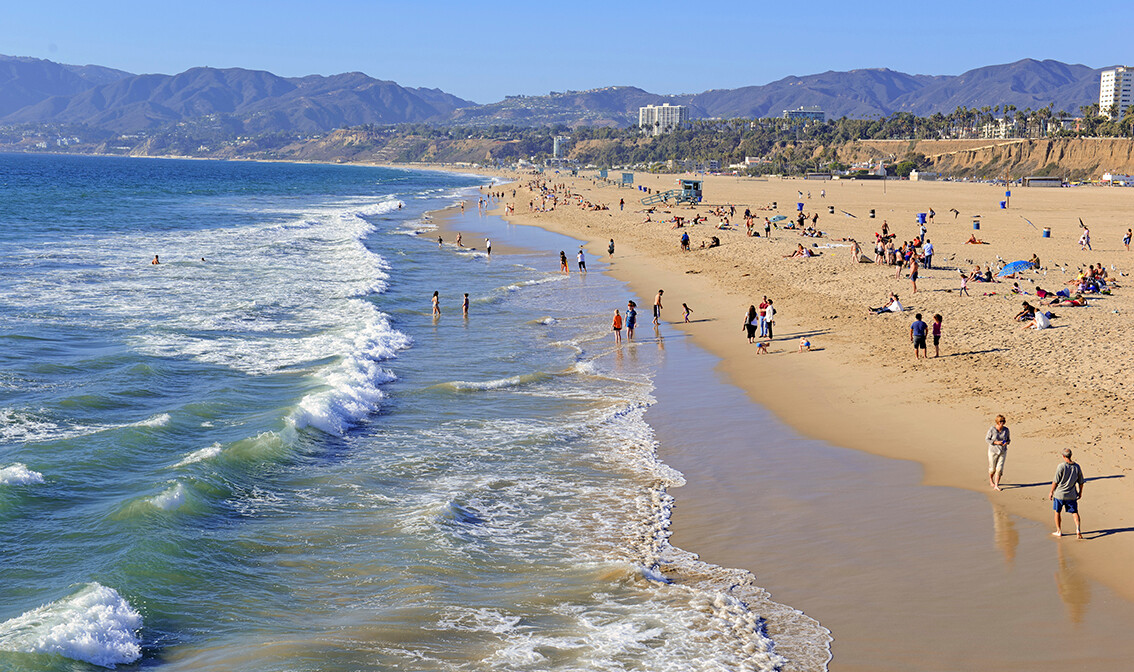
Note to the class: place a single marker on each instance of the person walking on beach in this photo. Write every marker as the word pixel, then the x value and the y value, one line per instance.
pixel 927 252
pixel 658 307
pixel 1126 239
pixel 913 273
pixel 610 248
pixel 1066 491
pixel 631 319
pixel 436 305
pixel 763 323
pixel 998 438
pixel 767 228
pixel 440 241
pixel 918 331
pixel 684 241
pixel 751 321
pixel 937 335
pixel 582 261
pixel 685 311
pixel 488 246
pixel 769 319
pixel 563 268
pixel 616 326
pixel 621 204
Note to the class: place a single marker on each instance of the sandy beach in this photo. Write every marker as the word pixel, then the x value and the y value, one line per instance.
pixel 861 388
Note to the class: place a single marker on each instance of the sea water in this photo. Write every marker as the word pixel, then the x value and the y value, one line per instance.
pixel 265 453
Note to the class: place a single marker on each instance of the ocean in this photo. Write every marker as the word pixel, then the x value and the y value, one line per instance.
pixel 265 453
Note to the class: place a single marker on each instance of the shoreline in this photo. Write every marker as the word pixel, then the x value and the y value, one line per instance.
pixel 845 398
pixel 878 571
pixel 857 397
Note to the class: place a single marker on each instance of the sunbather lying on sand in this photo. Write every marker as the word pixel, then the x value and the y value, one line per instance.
pixel 973 240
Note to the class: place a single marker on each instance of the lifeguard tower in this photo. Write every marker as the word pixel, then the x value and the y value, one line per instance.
pixel 689 192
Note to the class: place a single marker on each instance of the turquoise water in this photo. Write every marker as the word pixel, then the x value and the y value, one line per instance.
pixel 263 453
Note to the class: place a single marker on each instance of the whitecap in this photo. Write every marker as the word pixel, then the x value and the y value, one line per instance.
pixel 19 474
pixel 95 625
pixel 200 455
pixel 160 420
pixel 169 500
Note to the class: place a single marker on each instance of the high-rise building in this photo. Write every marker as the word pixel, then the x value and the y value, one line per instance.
pixel 660 119
pixel 559 146
pixel 1116 87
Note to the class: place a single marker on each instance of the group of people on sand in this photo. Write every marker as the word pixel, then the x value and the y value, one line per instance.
pixel 762 319
pixel 1066 487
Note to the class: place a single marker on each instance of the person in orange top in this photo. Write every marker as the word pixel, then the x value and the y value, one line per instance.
pixel 616 326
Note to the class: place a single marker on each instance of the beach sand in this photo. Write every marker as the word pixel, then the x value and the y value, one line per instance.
pixel 861 388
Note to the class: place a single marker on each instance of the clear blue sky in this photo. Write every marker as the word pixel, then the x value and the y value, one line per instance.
pixel 483 51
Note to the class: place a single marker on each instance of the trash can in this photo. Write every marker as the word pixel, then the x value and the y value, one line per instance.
pixel 799 207
pixel 921 218
pixel 1003 205
pixel 1046 232
pixel 830 209
pixel 976 225
pixel 872 213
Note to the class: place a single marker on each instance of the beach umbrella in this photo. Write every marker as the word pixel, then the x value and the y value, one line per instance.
pixel 778 218
pixel 1029 222
pixel 847 214
pixel 1014 267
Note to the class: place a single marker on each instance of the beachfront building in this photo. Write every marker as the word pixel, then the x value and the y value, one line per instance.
pixel 1116 89
pixel 812 113
pixel 559 146
pixel 659 119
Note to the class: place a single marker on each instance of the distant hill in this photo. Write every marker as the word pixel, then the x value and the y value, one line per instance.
pixel 34 91
pixel 27 81
pixel 258 101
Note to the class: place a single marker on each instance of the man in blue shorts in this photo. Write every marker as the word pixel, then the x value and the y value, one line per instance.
pixel 918 330
pixel 1066 491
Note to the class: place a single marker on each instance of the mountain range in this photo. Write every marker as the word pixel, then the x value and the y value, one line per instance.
pixel 35 91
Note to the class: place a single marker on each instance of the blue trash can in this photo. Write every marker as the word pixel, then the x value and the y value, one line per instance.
pixel 799 207
pixel 921 218
pixel 1046 232
pixel 1003 205
pixel 976 226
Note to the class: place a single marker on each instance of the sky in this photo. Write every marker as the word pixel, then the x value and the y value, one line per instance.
pixel 484 51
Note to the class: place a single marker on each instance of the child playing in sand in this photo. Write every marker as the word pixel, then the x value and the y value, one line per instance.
pixel 762 348
pixel 804 344
pixel 686 310
pixel 964 285
pixel 937 335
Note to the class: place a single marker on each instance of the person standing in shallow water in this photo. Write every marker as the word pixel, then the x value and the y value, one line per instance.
pixel 436 305
pixel 631 319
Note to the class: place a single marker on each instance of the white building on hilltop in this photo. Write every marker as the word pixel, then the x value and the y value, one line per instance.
pixel 660 119
pixel 813 113
pixel 1116 87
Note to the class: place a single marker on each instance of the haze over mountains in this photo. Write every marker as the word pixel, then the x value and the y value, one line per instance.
pixel 34 91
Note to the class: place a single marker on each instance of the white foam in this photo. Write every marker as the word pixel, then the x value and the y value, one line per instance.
pixel 160 420
pixel 19 474
pixel 498 384
pixel 95 625
pixel 171 499
pixel 201 455
pixel 351 386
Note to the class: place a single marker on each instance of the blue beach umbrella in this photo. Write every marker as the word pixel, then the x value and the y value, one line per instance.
pixel 778 218
pixel 1014 267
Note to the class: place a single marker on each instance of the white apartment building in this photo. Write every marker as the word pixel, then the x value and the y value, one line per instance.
pixel 1116 87
pixel 660 119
